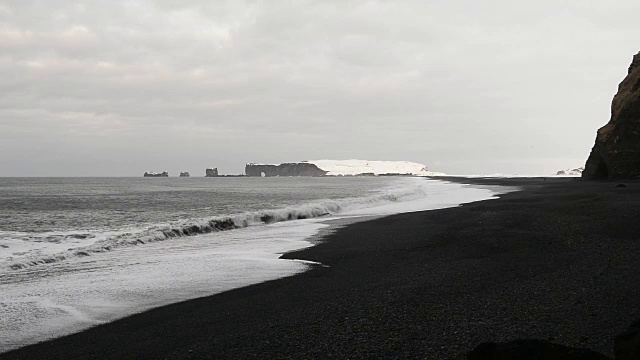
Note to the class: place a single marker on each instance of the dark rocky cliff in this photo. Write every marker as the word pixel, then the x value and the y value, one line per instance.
pixel 287 169
pixel 616 153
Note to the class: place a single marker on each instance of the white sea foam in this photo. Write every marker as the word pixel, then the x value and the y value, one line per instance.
pixel 69 296
pixel 61 297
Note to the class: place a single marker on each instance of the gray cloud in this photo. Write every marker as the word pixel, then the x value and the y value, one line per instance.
pixel 119 87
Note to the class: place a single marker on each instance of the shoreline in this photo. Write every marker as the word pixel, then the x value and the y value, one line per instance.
pixel 66 305
pixel 200 266
pixel 531 264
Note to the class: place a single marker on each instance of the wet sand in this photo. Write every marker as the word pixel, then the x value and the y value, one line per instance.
pixel 558 260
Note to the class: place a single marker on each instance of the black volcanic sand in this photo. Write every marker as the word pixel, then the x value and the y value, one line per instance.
pixel 559 261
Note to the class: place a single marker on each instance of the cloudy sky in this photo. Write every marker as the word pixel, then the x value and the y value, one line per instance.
pixel 465 86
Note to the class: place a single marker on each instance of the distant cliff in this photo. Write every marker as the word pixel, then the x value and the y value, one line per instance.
pixel 616 153
pixel 155 174
pixel 287 169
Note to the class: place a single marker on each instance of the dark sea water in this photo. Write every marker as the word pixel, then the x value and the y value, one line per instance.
pixel 76 252
pixel 41 216
pixel 38 205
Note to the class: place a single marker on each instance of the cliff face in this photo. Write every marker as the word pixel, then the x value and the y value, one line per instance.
pixel 616 153
pixel 287 169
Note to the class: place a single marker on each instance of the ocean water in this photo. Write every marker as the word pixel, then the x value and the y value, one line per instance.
pixel 77 252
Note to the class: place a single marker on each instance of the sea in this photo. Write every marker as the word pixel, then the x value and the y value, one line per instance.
pixel 79 252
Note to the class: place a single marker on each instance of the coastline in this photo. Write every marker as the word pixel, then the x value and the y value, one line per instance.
pixel 553 261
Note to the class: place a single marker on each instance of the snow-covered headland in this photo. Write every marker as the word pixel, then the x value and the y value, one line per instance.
pixel 358 167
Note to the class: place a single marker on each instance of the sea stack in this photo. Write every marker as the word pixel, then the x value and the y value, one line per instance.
pixel 616 153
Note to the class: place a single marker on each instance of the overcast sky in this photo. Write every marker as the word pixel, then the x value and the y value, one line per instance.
pixel 120 87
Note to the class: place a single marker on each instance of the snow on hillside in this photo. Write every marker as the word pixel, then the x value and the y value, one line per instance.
pixel 355 167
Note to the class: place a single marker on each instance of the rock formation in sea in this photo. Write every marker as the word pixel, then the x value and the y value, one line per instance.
pixel 286 169
pixel 155 174
pixel 616 153
pixel 341 168
pixel 184 174
pixel 211 172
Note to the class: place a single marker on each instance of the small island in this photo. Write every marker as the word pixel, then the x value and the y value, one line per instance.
pixel 155 174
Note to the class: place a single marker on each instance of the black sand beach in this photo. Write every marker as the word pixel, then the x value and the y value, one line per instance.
pixel 556 261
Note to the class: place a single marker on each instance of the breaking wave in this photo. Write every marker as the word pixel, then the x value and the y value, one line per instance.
pixel 223 223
